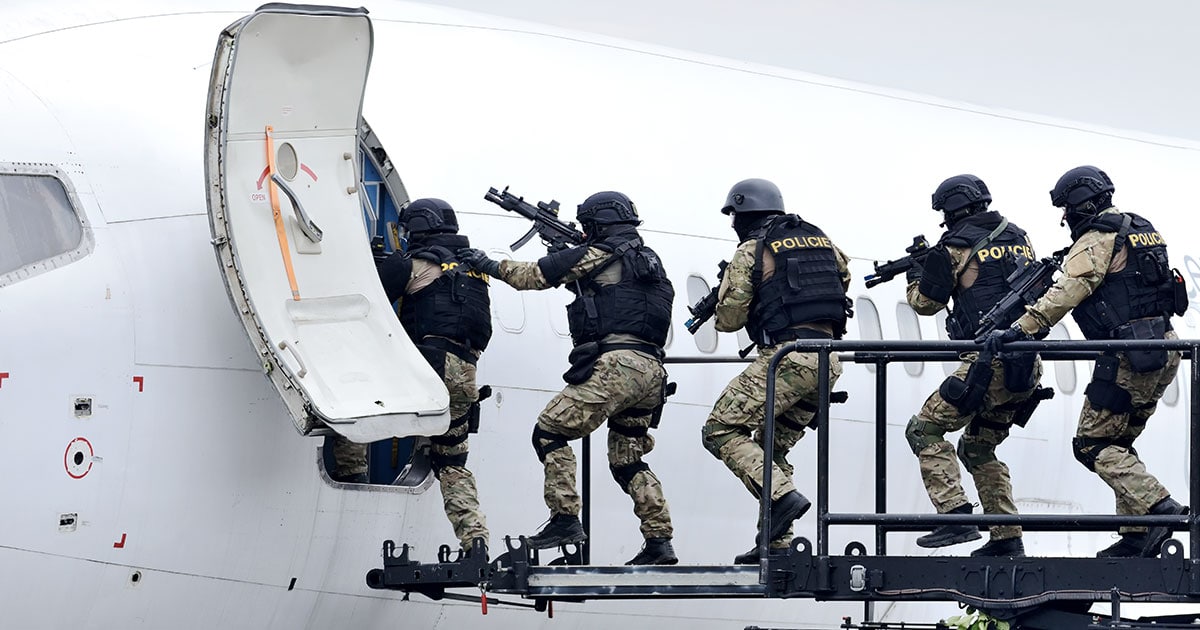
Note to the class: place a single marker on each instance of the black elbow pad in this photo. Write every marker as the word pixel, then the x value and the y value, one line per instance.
pixel 937 282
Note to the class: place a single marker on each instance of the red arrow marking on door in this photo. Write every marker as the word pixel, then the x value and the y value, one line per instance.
pixel 141 382
pixel 304 167
pixel 120 544
pixel 262 178
pixel 3 375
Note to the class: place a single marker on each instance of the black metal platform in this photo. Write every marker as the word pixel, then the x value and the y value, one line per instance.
pixel 1035 593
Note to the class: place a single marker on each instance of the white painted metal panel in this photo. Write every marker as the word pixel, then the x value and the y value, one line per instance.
pixel 309 298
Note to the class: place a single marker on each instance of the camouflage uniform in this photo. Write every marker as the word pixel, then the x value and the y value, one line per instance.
pixel 624 388
pixel 460 497
pixel 986 428
pixel 1087 264
pixel 733 431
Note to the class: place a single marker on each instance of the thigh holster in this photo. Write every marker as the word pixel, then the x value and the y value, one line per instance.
pixel 967 394
pixel 1103 392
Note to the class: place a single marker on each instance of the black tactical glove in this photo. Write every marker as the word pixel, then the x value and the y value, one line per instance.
pixel 479 261
pixel 914 273
pixel 993 340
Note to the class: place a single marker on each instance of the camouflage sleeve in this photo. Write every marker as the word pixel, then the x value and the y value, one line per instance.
pixel 526 276
pixel 843 263
pixel 1084 270
pixel 923 304
pixel 736 291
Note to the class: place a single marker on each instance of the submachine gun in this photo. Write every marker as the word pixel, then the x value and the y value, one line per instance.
pixel 546 224
pixel 892 268
pixel 706 307
pixel 1028 284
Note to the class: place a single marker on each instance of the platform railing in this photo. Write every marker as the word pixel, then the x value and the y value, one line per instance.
pixel 883 353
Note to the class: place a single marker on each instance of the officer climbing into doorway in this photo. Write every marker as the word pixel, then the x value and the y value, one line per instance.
pixel 446 311
pixel 618 321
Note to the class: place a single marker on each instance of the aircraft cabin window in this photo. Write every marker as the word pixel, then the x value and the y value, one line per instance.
pixel 910 329
pixel 940 318
pixel 1064 371
pixel 1171 395
pixel 40 228
pixel 869 328
pixel 508 305
pixel 706 337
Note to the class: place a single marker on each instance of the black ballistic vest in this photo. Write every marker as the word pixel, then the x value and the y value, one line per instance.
pixel 997 258
pixel 639 304
pixel 805 288
pixel 456 305
pixel 1142 289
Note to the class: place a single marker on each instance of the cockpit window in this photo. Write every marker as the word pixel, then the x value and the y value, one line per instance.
pixel 40 228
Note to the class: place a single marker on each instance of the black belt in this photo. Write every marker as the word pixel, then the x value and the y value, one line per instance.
pixel 462 351
pixel 794 334
pixel 649 349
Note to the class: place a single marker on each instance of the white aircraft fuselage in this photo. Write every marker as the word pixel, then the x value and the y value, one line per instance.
pixel 152 476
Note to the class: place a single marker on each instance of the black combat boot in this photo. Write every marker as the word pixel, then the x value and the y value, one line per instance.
pixel 947 535
pixel 1129 546
pixel 784 510
pixel 1005 547
pixel 656 551
pixel 752 557
pixel 562 529
pixel 1157 535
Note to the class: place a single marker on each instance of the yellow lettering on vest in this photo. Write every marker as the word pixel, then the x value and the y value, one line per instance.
pixel 775 245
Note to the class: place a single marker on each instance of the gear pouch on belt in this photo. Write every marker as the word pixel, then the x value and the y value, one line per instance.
pixel 485 392
pixel 583 361
pixel 668 390
pixel 967 395
pixel 1179 293
pixel 1144 360
pixel 1018 371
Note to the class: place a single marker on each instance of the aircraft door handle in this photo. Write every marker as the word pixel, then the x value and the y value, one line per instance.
pixel 283 345
pixel 307 226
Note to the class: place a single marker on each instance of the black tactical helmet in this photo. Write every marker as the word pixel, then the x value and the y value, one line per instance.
pixel 959 192
pixel 753 195
pixel 607 208
pixel 429 216
pixel 1079 185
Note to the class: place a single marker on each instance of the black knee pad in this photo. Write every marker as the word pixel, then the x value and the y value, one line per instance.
pixel 624 474
pixel 555 440
pixel 1086 450
pixel 438 462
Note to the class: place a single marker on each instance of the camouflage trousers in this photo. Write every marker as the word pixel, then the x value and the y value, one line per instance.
pixel 624 388
pixel 1135 489
pixel 741 409
pixel 448 453
pixel 985 430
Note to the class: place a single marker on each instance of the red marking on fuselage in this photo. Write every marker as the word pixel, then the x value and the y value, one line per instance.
pixel 120 544
pixel 304 167
pixel 67 454
pixel 141 382
pixel 262 178
pixel 3 375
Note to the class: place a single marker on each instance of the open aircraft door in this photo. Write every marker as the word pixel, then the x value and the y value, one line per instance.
pixel 281 159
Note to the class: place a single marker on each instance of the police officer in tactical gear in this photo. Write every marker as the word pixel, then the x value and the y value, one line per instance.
pixel 445 309
pixel 618 321
pixel 786 281
pixel 1117 284
pixel 967 272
